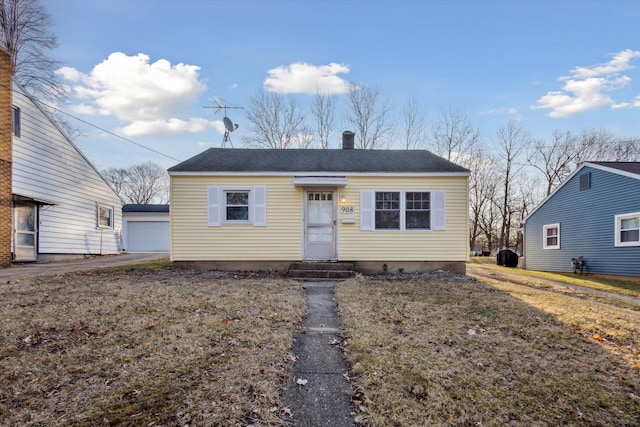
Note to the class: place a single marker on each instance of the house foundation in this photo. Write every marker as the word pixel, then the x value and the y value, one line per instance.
pixel 365 267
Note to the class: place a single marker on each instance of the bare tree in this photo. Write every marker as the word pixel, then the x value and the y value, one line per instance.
pixel 511 141
pixel 454 137
pixel 625 149
pixel 414 125
pixel 483 184
pixel 368 115
pixel 143 184
pixel 602 145
pixel 557 159
pixel 323 109
pixel 527 197
pixel 595 145
pixel 24 32
pixel 276 121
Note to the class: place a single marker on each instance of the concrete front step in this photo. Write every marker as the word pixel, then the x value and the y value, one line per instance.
pixel 320 274
pixel 321 270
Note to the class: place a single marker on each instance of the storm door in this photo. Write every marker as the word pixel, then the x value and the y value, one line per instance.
pixel 320 225
pixel 25 232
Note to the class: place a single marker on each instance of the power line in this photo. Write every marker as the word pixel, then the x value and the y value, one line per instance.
pixel 97 127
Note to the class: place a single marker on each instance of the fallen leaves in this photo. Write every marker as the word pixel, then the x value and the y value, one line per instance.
pixel 466 348
pixel 146 348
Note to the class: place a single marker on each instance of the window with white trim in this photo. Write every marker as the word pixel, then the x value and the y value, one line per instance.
pixel 105 216
pixel 404 210
pixel 627 229
pixel 233 205
pixel 387 210
pixel 551 236
pixel 237 206
pixel 417 210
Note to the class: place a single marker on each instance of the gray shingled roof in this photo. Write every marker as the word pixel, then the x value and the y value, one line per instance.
pixel 145 208
pixel 313 160
pixel 632 167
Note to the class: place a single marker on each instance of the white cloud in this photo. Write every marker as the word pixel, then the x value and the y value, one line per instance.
pixel 619 63
pixel 164 128
pixel 219 126
pixel 306 78
pixel 149 96
pixel 69 73
pixel 587 88
pixel 511 111
pixel 88 110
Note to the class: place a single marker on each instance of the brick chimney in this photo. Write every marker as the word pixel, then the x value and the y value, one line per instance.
pixel 348 139
pixel 6 154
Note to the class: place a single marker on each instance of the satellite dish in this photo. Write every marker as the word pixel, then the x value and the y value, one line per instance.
pixel 228 124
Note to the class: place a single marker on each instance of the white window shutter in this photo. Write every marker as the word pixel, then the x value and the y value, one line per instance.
pixel 438 210
pixel 367 210
pixel 259 206
pixel 214 205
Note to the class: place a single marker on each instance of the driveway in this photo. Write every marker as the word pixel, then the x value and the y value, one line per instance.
pixel 18 271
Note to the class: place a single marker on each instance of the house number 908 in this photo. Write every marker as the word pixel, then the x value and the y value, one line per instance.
pixel 348 209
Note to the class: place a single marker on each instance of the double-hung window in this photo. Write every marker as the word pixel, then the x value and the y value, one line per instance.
pixel 387 210
pixel 627 228
pixel 417 210
pixel 236 205
pixel 404 210
pixel 551 236
pixel 105 216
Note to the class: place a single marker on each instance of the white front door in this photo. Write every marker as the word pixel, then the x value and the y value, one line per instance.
pixel 25 234
pixel 320 225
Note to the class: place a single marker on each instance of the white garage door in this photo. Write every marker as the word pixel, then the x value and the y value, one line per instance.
pixel 148 236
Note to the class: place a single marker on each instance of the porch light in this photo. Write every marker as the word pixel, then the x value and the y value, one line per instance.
pixel 343 198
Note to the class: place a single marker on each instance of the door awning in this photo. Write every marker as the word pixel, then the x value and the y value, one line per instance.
pixel 20 198
pixel 320 181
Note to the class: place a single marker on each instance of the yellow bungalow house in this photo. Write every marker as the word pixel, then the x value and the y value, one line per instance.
pixel 382 210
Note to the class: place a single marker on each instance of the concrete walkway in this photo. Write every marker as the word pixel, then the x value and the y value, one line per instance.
pixel 318 393
pixel 19 271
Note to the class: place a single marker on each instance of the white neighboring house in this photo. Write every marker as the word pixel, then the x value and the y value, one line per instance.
pixel 145 228
pixel 62 206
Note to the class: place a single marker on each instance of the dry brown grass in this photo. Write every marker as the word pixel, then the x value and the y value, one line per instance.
pixel 457 352
pixel 145 347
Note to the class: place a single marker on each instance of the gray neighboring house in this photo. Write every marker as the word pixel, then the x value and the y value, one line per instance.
pixel 595 213
pixel 145 228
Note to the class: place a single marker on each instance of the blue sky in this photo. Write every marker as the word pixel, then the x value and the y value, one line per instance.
pixel 146 69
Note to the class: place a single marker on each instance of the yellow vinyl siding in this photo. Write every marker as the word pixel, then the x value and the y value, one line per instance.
pixel 388 245
pixel 193 240
pixel 282 238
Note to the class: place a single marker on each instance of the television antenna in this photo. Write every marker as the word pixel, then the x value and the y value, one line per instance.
pixel 229 126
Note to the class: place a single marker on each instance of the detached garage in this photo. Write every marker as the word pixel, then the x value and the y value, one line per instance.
pixel 145 228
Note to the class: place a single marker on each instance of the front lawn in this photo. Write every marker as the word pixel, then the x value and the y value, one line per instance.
pixel 451 351
pixel 146 346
